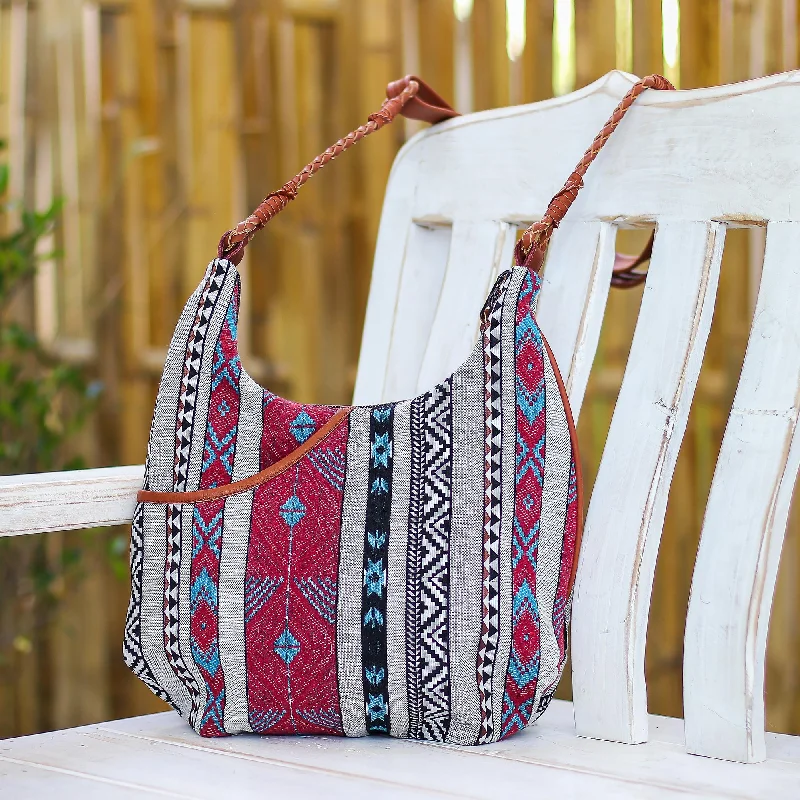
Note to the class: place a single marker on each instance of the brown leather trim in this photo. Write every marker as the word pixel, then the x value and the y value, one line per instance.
pixel 427 105
pixel 245 485
pixel 573 435
pixel 624 275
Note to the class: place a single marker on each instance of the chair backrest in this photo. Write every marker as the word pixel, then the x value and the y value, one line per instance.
pixel 694 163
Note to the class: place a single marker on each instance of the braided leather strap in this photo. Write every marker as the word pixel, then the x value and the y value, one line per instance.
pixel 402 97
pixel 533 244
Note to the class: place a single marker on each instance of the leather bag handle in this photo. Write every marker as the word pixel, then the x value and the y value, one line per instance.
pixel 532 246
pixel 415 99
pixel 409 96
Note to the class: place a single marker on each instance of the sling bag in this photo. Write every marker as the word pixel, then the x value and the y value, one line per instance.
pixel 403 568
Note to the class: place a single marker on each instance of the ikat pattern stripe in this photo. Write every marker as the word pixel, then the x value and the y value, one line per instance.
pixel 292 589
pixel 557 469
pixel 491 330
pixel 428 589
pixel 376 553
pixel 208 521
pixel 524 662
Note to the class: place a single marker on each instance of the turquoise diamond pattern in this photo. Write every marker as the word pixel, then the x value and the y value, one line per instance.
pixel 302 426
pixel 286 646
pixel 293 511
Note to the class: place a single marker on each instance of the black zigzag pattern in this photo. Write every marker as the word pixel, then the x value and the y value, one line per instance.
pixel 430 512
pixel 413 570
pixel 132 639
pixel 184 429
pixel 436 566
pixel 172 582
pixel 493 488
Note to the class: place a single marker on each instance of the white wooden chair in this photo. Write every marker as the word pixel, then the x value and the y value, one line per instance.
pixel 694 163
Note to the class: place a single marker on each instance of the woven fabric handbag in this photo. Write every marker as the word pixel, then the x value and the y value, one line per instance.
pixel 401 569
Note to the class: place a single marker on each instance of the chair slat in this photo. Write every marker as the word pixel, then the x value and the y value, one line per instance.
pixel 745 522
pixel 59 501
pixel 424 265
pixel 387 272
pixel 573 299
pixel 626 514
pixel 478 250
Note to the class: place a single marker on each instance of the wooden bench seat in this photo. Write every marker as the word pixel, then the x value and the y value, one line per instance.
pixel 160 755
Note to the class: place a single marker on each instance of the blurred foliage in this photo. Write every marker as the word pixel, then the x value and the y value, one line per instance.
pixel 43 403
pixel 42 400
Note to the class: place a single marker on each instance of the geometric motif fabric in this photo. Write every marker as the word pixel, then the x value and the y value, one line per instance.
pixel 376 553
pixel 428 485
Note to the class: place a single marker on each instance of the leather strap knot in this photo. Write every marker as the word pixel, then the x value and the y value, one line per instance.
pixel 381 117
pixel 564 198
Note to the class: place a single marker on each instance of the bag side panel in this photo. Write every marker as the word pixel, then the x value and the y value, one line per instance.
pixel 144 644
pixel 552 541
pixel 531 454
pixel 396 576
pixel 132 651
pixel 350 576
pixel 201 370
pixel 572 530
pixel 546 523
pixel 497 349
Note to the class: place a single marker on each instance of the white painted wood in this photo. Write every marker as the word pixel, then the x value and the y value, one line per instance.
pixel 26 781
pixel 424 265
pixel 737 562
pixel 507 163
pixel 477 251
pixel 626 513
pixel 575 288
pixel 161 753
pixel 58 501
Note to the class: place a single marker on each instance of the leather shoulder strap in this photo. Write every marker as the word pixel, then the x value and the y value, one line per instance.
pixel 532 246
pixel 409 96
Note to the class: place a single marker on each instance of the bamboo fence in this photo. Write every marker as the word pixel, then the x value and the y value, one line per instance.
pixel 162 122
